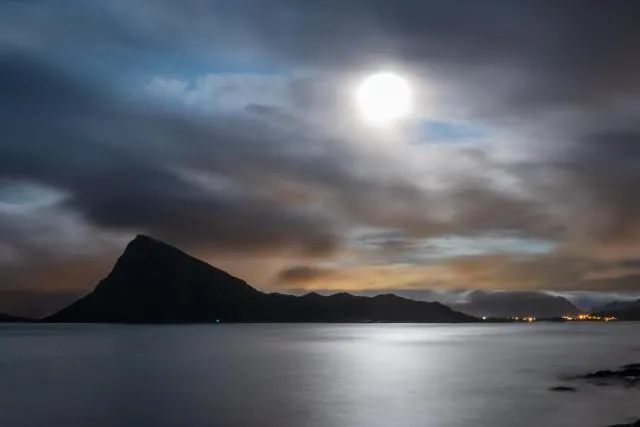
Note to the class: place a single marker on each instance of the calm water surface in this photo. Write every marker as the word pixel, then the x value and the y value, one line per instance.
pixel 312 375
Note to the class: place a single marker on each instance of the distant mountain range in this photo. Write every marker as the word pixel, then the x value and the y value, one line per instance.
pixel 618 306
pixel 35 303
pixel 515 303
pixel 5 318
pixel 622 310
pixel 153 282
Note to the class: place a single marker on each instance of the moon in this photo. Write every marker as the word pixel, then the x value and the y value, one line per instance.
pixel 383 98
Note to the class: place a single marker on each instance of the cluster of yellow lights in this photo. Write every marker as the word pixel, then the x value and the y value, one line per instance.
pixel 524 318
pixel 589 317
pixel 578 317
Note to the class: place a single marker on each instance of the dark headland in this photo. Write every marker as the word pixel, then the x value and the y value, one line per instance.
pixel 629 311
pixel 7 318
pixel 153 282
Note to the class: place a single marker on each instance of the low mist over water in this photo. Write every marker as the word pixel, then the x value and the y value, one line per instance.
pixel 313 375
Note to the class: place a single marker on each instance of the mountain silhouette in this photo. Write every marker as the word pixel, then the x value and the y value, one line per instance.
pixel 617 306
pixel 9 318
pixel 153 282
pixel 632 313
pixel 622 310
pixel 35 303
pixel 515 303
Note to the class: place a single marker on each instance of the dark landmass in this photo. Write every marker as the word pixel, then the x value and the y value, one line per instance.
pixel 627 375
pixel 631 314
pixel 7 318
pixel 635 424
pixel 627 310
pixel 508 304
pixel 539 319
pixel 153 282
pixel 630 374
pixel 35 303
pixel 617 306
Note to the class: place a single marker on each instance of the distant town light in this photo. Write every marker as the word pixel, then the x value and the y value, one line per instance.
pixel 588 317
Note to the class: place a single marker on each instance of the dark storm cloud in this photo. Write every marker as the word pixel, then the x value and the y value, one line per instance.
pixel 570 52
pixel 580 46
pixel 604 169
pixel 526 52
pixel 120 167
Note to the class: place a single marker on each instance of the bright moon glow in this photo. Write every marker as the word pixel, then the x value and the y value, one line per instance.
pixel 383 98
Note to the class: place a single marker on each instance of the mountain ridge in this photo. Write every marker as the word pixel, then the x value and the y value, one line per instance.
pixel 153 282
pixel 8 318
pixel 618 306
pixel 622 310
pixel 515 303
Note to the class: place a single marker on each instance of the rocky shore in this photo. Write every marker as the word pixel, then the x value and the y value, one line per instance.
pixel 627 375
pixel 635 424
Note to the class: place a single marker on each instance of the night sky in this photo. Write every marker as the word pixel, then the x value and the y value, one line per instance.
pixel 229 129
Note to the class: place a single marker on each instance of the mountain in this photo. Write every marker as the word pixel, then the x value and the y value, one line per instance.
pixel 153 282
pixel 35 303
pixel 617 306
pixel 622 310
pixel 632 313
pixel 6 318
pixel 515 303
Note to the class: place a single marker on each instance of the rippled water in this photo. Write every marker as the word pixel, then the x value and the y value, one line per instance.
pixel 312 375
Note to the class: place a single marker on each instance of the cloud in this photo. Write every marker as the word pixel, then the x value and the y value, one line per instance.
pixel 126 169
pixel 247 182
pixel 214 179
pixel 301 275
pixel 534 53
pixel 514 272
pixel 225 91
pixel 360 277
pixel 271 163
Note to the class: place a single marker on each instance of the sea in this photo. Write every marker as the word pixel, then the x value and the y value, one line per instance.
pixel 315 375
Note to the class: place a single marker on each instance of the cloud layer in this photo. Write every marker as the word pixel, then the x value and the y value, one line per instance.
pixel 227 128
